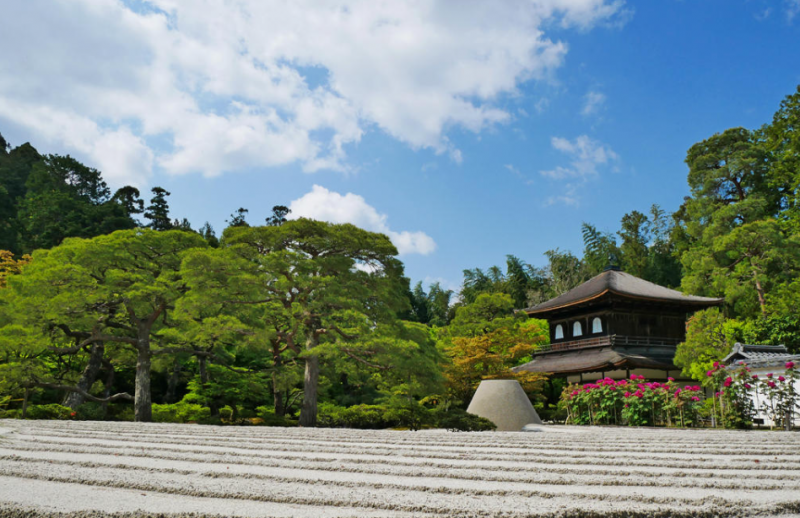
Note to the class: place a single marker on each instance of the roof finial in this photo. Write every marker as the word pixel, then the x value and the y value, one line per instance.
pixel 613 263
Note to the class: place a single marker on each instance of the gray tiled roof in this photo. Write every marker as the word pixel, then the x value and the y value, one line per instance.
pixel 625 284
pixel 755 355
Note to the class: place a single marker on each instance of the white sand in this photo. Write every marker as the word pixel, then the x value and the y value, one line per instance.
pixel 565 471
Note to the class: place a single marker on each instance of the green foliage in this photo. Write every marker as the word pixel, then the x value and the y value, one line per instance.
pixel 733 405
pixel 228 388
pixel 181 412
pixel 709 338
pixel 158 210
pixel 485 340
pixel 634 402
pixel 230 324
pixel 51 411
pixel 90 411
pixel 366 417
pixel 110 289
pixel 457 420
pixel 600 249
pixel 269 418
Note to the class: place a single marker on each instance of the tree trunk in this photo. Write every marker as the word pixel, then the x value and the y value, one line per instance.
pixel 88 377
pixel 172 383
pixel 762 301
pixel 201 363
pixel 213 408
pixel 277 396
pixel 25 403
pixel 143 409
pixel 108 383
pixel 308 415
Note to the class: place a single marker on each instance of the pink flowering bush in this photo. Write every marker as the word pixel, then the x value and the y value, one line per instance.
pixel 633 402
pixel 780 397
pixel 732 406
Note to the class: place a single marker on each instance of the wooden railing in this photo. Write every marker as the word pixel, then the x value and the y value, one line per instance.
pixel 608 340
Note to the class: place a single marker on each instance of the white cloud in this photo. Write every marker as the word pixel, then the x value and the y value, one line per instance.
pixel 593 102
pixel 571 201
pixel 792 9
pixel 322 204
pixel 586 155
pixel 218 85
pixel 516 172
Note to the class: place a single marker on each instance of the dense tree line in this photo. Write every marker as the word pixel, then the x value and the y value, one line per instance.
pixel 304 319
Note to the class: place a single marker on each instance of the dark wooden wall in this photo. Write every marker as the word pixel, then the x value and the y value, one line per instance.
pixel 624 318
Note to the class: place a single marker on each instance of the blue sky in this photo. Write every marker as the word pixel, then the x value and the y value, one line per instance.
pixel 465 134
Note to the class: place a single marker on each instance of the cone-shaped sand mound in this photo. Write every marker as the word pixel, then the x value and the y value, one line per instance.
pixel 505 404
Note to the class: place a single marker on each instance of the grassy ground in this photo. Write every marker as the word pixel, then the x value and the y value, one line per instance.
pixel 83 469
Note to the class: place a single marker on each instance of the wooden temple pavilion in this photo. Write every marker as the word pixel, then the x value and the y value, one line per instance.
pixel 614 325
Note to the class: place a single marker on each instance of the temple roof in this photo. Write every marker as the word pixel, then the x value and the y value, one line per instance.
pixel 593 360
pixel 624 284
pixel 759 355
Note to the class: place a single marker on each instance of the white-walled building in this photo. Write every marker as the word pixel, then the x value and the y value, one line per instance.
pixel 763 360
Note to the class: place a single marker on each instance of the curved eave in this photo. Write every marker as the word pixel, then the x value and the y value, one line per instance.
pixel 592 360
pixel 692 303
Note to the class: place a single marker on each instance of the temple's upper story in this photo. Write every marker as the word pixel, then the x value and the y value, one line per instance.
pixel 614 322
pixel 617 303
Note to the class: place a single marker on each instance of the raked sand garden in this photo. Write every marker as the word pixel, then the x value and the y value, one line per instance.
pixel 82 469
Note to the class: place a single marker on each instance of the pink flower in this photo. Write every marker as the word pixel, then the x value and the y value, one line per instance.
pixel 627 394
pixel 728 381
pixel 755 376
pixel 710 373
pixel 633 377
pixel 769 375
pixel 678 391
pixel 716 365
pixel 612 388
pixel 789 365
pixel 781 378
pixel 695 398
pixel 670 379
pixel 626 405
pixel 747 386
pixel 771 384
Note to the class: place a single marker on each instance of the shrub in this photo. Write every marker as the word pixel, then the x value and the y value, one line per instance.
pixel 634 402
pixel 180 412
pixel 457 420
pixel 90 411
pixel 365 417
pixel 52 411
pixel 121 412
pixel 551 413
pixel 269 418
pixel 407 411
